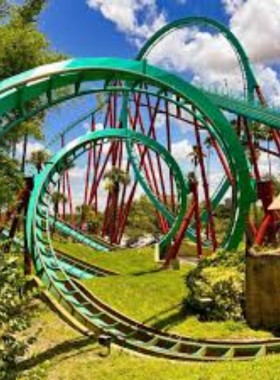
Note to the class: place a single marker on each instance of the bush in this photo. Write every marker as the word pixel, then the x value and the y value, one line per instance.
pixel 216 287
pixel 15 315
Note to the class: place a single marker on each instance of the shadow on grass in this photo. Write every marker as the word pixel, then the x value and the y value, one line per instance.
pixel 168 318
pixel 142 273
pixel 64 348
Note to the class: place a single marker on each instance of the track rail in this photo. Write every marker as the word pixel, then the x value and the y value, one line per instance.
pixel 91 241
pixel 91 312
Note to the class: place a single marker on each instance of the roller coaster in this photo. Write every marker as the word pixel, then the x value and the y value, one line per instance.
pixel 139 116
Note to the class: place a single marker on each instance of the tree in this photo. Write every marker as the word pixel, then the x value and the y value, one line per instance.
pixel 83 211
pixel 275 181
pixel 15 315
pixel 87 215
pixel 143 219
pixel 29 128
pixel 259 131
pixel 11 182
pixel 4 9
pixel 39 158
pixel 23 47
pixel 30 10
pixel 194 155
pixel 115 178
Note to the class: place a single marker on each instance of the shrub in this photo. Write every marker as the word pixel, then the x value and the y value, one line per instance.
pixel 216 287
pixel 15 315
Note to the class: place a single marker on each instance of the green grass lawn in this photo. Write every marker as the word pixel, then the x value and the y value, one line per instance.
pixel 123 261
pixel 146 294
pixel 151 296
pixel 62 354
pixel 156 299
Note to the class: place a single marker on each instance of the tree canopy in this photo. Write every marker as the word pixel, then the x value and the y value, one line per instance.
pixel 22 47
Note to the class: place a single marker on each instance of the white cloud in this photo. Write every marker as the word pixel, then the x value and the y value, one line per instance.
pixel 264 164
pixel 126 15
pixel 257 24
pixel 232 6
pixel 270 83
pixel 181 150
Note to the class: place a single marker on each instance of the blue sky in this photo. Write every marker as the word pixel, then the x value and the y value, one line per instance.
pixel 72 27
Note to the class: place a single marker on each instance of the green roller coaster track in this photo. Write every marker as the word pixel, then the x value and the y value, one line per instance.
pixel 60 161
pixel 86 308
pixel 43 85
pixel 250 109
pixel 18 93
pixel 91 241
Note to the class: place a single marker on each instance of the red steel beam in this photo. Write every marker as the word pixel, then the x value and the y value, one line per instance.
pixel 205 186
pixel 173 251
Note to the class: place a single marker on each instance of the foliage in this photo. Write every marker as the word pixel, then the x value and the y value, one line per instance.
pixel 224 210
pixel 23 47
pixel 38 158
pixel 15 315
pixel 275 182
pixel 86 214
pixel 11 180
pixel 142 219
pixel 30 10
pixel 261 132
pixel 114 179
pixel 151 296
pixel 4 9
pixel 216 287
pixel 58 198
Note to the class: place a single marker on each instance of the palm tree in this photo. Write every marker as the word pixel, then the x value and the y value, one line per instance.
pixel 84 211
pixel 57 199
pixel 195 156
pixel 30 128
pixel 87 215
pixel 115 177
pixel 38 158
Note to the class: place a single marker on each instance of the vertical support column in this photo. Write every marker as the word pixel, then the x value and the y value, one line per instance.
pixel 194 190
pixel 63 182
pixel 168 136
pixel 210 218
